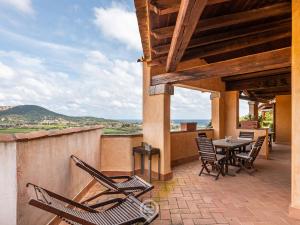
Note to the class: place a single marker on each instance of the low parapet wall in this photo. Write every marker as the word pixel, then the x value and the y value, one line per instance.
pixel 43 158
pixel 183 145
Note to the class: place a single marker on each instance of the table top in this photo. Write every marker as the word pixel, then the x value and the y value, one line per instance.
pixel 142 150
pixel 235 143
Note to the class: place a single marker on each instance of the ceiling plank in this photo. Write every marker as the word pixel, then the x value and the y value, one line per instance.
pixel 275 59
pixel 230 19
pixel 187 19
pixel 227 35
pixel 172 6
pixel 237 44
pixel 260 83
pixel 284 70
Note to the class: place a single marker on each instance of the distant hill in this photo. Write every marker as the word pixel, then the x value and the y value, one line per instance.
pixel 34 113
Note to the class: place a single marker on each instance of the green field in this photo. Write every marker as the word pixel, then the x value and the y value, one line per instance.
pixel 17 130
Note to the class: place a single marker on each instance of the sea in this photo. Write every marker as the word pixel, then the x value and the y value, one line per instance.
pixel 200 122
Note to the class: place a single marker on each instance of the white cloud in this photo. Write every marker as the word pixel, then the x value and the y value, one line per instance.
pixel 104 87
pixel 6 72
pixel 24 6
pixel 190 104
pixel 120 24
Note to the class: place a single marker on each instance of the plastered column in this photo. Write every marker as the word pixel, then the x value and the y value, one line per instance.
pixel 253 109
pixel 156 123
pixel 295 198
pixel 231 112
pixel 217 114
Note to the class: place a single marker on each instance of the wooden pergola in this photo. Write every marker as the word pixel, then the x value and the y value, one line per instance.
pixel 233 48
pixel 246 44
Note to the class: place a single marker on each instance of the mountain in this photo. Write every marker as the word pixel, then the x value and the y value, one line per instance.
pixel 37 114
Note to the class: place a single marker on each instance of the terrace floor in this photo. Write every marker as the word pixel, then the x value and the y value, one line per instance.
pixel 262 199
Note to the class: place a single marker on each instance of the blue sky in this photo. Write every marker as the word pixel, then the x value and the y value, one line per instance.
pixel 79 57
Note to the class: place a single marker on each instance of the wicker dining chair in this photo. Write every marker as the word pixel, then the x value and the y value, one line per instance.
pixel 246 160
pixel 202 134
pixel 117 211
pixel 208 156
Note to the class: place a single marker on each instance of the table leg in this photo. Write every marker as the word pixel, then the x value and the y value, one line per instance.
pixel 142 164
pixel 159 166
pixel 228 158
pixel 149 169
pixel 133 164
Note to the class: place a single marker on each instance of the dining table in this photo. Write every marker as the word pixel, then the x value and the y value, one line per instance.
pixel 228 146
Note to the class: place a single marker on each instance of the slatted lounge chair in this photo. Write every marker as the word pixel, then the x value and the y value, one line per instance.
pixel 246 160
pixel 132 184
pixel 122 211
pixel 208 156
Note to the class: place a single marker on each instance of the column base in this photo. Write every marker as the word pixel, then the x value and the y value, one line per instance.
pixel 294 213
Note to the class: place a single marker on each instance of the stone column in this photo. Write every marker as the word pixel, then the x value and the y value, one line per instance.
pixel 156 121
pixel 217 114
pixel 295 198
pixel 253 109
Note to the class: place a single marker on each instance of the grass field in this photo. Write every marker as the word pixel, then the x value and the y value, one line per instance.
pixel 17 130
pixel 105 131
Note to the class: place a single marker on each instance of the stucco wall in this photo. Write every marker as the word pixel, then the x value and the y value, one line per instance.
pixel 183 145
pixel 43 158
pixel 116 152
pixel 8 187
pixel 283 119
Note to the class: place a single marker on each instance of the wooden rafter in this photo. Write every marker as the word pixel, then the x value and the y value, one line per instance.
pixel 228 35
pixel 285 70
pixel 237 44
pixel 172 6
pixel 275 59
pixel 261 83
pixel 187 19
pixel 230 19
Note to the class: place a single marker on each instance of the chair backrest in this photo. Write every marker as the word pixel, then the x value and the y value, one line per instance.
pixel 256 148
pixel 100 177
pixel 202 134
pixel 206 149
pixel 245 134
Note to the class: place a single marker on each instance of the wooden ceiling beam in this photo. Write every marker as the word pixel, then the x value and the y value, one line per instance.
pixel 285 70
pixel 260 83
pixel 275 59
pixel 228 35
pixel 238 44
pixel 172 6
pixel 187 19
pixel 255 99
pixel 230 19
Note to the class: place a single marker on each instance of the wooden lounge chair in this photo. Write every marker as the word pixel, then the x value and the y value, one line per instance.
pixel 127 185
pixel 246 160
pixel 208 156
pixel 121 211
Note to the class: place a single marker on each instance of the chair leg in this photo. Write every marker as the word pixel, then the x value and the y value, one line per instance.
pixel 201 171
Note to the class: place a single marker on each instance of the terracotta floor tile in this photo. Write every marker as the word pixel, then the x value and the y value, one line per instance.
pixel 262 199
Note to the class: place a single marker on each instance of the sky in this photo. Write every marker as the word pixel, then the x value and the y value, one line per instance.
pixel 78 58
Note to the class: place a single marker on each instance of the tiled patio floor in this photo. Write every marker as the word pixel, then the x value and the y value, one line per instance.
pixel 262 199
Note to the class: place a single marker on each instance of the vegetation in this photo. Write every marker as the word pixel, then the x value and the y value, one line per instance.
pixel 28 118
